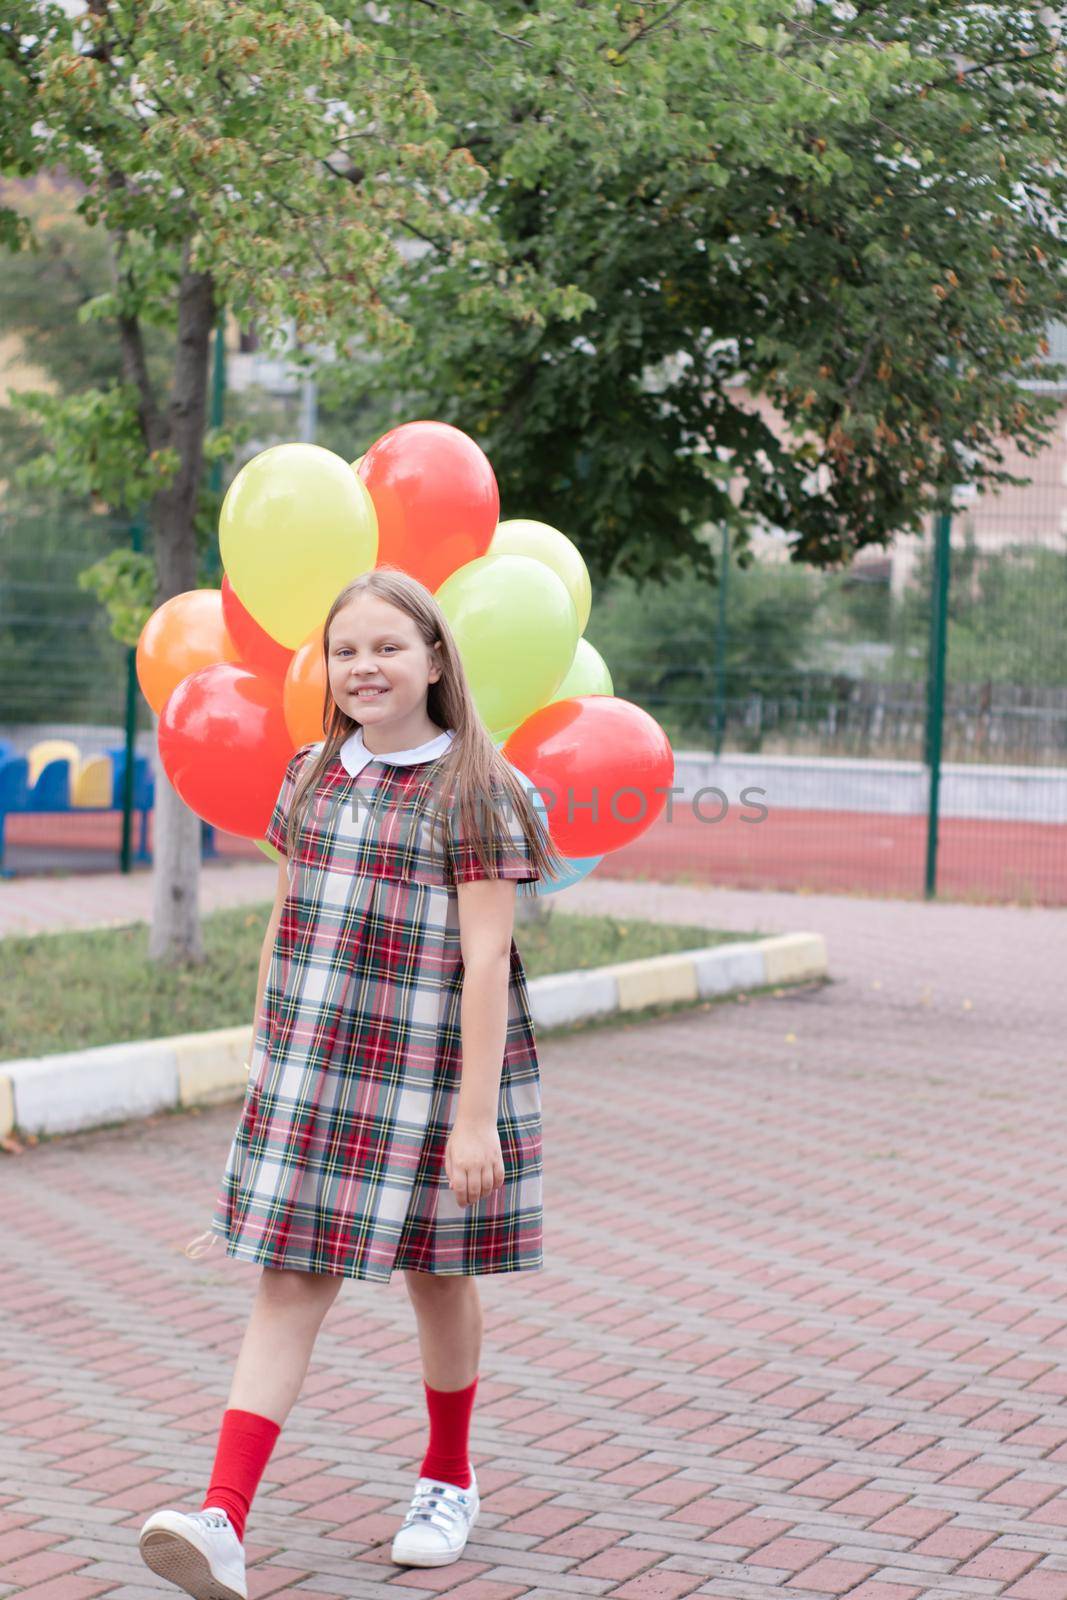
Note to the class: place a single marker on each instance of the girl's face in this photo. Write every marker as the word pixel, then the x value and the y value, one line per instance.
pixel 379 667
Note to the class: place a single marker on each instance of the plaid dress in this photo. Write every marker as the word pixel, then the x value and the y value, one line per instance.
pixel 337 1162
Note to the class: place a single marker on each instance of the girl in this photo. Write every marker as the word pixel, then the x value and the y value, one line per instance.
pixel 393 1111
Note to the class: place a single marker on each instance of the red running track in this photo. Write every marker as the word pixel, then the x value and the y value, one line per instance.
pixel 854 852
pixel 850 852
pixel 829 852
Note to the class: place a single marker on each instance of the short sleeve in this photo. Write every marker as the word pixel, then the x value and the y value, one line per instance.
pixel 279 821
pixel 508 856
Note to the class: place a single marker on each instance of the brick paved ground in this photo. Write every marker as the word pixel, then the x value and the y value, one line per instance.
pixel 802 1330
pixel 85 900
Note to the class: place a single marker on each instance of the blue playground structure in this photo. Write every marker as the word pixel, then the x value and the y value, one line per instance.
pixel 53 778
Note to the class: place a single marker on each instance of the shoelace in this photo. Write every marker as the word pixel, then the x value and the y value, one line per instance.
pixel 212 1519
pixel 441 1504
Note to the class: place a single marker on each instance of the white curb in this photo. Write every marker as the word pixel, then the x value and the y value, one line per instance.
pixel 117 1082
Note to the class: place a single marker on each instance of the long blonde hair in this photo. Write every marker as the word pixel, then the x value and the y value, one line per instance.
pixel 473 771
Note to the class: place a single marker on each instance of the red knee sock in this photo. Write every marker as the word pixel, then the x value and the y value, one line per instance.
pixel 245 1443
pixel 450 1425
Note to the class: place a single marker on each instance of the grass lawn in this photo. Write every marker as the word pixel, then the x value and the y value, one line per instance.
pixel 67 991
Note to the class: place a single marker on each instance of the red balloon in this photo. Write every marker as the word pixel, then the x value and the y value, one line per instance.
pixel 253 644
pixel 225 747
pixel 603 760
pixel 436 498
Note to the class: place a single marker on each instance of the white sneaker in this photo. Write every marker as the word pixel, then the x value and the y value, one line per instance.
pixel 435 1530
pixel 199 1551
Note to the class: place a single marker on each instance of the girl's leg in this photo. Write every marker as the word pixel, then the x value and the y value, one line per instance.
pixel 449 1315
pixel 286 1316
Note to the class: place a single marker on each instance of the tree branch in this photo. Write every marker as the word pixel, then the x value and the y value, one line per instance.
pixel 647 29
pixel 987 66
pixel 457 16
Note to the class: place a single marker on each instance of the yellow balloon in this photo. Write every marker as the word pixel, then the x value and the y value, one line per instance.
pixel 296 525
pixel 588 674
pixel 357 463
pixel 521 536
pixel 516 628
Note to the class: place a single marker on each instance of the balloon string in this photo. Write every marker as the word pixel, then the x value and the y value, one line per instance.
pixel 196 1248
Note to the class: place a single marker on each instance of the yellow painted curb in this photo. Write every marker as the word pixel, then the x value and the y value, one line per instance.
pixel 211 1066
pixel 791 957
pixel 7 1107
pixel 653 981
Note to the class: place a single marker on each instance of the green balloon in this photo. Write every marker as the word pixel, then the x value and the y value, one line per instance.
pixel 516 628
pixel 588 674
pixel 268 849
pixel 522 536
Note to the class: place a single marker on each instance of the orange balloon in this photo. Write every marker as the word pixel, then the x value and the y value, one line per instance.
pixel 181 636
pixel 304 691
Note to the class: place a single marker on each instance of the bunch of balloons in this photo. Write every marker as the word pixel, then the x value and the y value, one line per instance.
pixel 237 678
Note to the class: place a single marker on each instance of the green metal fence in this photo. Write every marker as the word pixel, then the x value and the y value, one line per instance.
pixel 815 695
pixel 63 676
pixel 903 725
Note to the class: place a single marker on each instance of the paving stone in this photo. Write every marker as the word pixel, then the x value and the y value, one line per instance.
pixel 791 1303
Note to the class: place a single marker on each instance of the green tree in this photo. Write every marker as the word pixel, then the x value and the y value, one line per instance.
pixel 42 291
pixel 618 212
pixel 235 154
pixel 1005 620
pixel 850 213
pixel 46 534
pixel 659 640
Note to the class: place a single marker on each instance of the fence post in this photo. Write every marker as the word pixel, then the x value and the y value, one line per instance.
pixel 935 705
pixel 720 644
pixel 125 858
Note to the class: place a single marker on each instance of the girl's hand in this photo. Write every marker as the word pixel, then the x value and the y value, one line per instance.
pixel 473 1161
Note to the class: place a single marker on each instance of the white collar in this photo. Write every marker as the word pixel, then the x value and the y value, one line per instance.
pixel 355 755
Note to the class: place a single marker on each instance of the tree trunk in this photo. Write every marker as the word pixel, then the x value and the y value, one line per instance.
pixel 175 937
